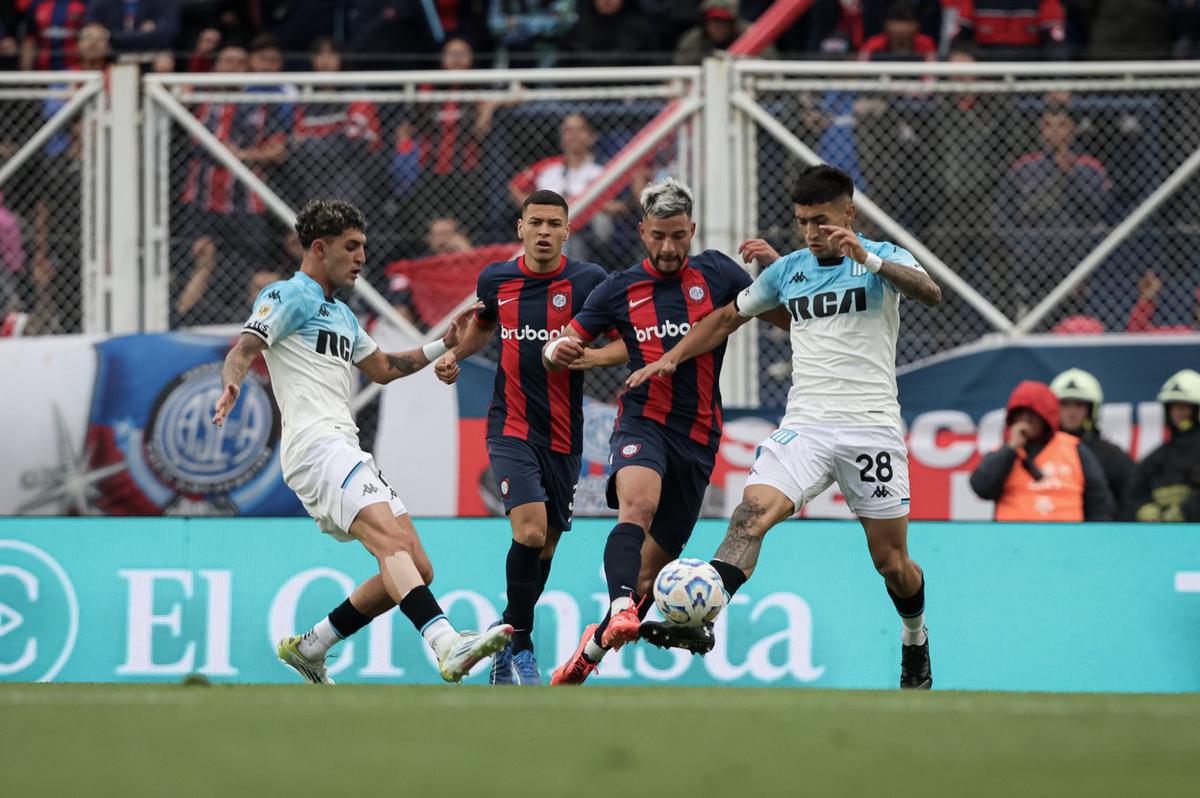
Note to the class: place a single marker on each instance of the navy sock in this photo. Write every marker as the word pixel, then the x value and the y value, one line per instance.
pixel 421 607
pixel 346 619
pixel 731 576
pixel 912 606
pixel 623 559
pixel 523 571
pixel 545 575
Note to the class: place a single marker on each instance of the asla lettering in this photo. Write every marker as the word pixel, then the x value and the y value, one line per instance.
pixel 330 343
pixel 827 303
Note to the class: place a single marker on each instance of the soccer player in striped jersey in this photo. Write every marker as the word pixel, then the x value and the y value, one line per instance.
pixel 843 419
pixel 309 340
pixel 535 423
pixel 664 445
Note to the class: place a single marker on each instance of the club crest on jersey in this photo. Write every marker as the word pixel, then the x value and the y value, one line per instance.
pixel 559 301
pixel 630 449
pixel 696 293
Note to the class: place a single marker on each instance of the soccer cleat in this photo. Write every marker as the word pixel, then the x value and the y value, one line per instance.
pixel 502 663
pixel 468 648
pixel 622 628
pixel 696 639
pixel 578 667
pixel 313 670
pixel 915 671
pixel 525 669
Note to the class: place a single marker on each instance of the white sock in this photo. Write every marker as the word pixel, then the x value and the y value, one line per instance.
pixel 439 634
pixel 913 633
pixel 619 604
pixel 593 651
pixel 318 640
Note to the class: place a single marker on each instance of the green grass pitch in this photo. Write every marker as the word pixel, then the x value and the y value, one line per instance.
pixel 267 741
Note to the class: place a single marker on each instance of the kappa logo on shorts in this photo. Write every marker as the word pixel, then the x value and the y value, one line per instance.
pixel 504 487
pixel 630 449
pixel 881 492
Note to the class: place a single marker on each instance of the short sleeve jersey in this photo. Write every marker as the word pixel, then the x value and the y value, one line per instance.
pixel 531 308
pixel 844 326
pixel 652 311
pixel 312 343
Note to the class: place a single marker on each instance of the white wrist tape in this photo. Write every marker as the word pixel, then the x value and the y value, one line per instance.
pixel 434 349
pixel 873 263
pixel 548 352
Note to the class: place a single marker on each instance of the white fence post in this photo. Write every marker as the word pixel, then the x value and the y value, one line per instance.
pixel 123 256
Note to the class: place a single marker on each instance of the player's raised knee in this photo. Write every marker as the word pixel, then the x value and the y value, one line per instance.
pixel 889 563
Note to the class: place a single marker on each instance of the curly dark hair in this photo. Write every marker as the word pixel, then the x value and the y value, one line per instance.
pixel 323 218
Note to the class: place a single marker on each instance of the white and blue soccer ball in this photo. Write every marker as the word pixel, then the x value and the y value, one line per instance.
pixel 689 592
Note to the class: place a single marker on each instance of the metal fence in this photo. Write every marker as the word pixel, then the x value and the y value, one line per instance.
pixel 52 204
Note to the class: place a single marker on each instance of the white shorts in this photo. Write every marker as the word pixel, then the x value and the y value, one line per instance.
pixel 870 465
pixel 335 480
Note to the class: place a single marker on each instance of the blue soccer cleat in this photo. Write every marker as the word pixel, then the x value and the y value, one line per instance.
pixel 525 668
pixel 502 663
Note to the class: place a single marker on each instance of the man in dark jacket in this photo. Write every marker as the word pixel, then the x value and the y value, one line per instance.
pixel 1167 485
pixel 1041 473
pixel 1079 400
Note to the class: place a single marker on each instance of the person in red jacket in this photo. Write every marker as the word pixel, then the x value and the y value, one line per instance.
pixel 1010 29
pixel 1141 315
pixel 1041 473
pixel 901 39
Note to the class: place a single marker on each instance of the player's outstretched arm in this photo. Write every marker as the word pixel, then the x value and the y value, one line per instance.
pixel 383 367
pixel 705 336
pixel 237 364
pixel 475 338
pixel 612 354
pixel 912 283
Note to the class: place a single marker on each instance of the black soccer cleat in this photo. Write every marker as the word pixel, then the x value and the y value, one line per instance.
pixel 915 671
pixel 696 639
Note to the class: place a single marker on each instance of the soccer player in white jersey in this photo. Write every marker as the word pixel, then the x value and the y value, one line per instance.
pixel 843 419
pixel 309 340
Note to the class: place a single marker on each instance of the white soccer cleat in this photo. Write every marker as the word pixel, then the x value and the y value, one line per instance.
pixel 469 648
pixel 313 670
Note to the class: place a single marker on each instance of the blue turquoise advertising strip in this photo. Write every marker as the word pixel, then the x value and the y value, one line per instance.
pixel 1010 607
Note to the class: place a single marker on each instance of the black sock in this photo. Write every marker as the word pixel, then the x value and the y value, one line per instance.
pixel 421 607
pixel 346 619
pixel 524 576
pixel 731 576
pixel 545 575
pixel 623 559
pixel 912 606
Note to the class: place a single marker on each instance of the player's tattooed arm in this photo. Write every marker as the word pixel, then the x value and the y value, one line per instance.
pixel 237 364
pixel 383 367
pixel 478 332
pixel 913 283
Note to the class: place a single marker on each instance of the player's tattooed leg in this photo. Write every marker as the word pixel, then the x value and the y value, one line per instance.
pixel 744 539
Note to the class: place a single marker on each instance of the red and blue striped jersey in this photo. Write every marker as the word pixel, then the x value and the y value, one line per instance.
pixel 55 26
pixel 209 185
pixel 652 311
pixel 529 402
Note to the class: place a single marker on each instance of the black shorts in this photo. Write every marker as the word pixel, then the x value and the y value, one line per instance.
pixel 685 466
pixel 528 473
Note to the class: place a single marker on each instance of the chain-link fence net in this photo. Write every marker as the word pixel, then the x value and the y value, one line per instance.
pixel 1009 182
pixel 42 209
pixel 439 171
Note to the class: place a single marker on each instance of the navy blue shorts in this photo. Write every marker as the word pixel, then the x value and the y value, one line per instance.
pixel 528 473
pixel 685 466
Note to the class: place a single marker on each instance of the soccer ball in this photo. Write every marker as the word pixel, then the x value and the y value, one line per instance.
pixel 689 592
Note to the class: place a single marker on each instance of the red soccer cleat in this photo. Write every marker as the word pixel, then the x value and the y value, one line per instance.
pixel 578 667
pixel 622 628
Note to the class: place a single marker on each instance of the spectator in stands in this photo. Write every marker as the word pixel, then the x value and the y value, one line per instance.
pixel 1167 484
pixel 529 32
pixel 338 147
pixel 609 33
pixel 1123 29
pixel 94 46
pixel 1041 473
pixel 1014 30
pixel 137 26
pixel 397 34
pixel 720 26
pixel 204 51
pixel 8 48
pixel 569 174
pixel 444 237
pixel 1141 316
pixel 1080 399
pixel 220 207
pixel 901 39
pixel 1056 197
pixel 51 33
pixel 450 138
